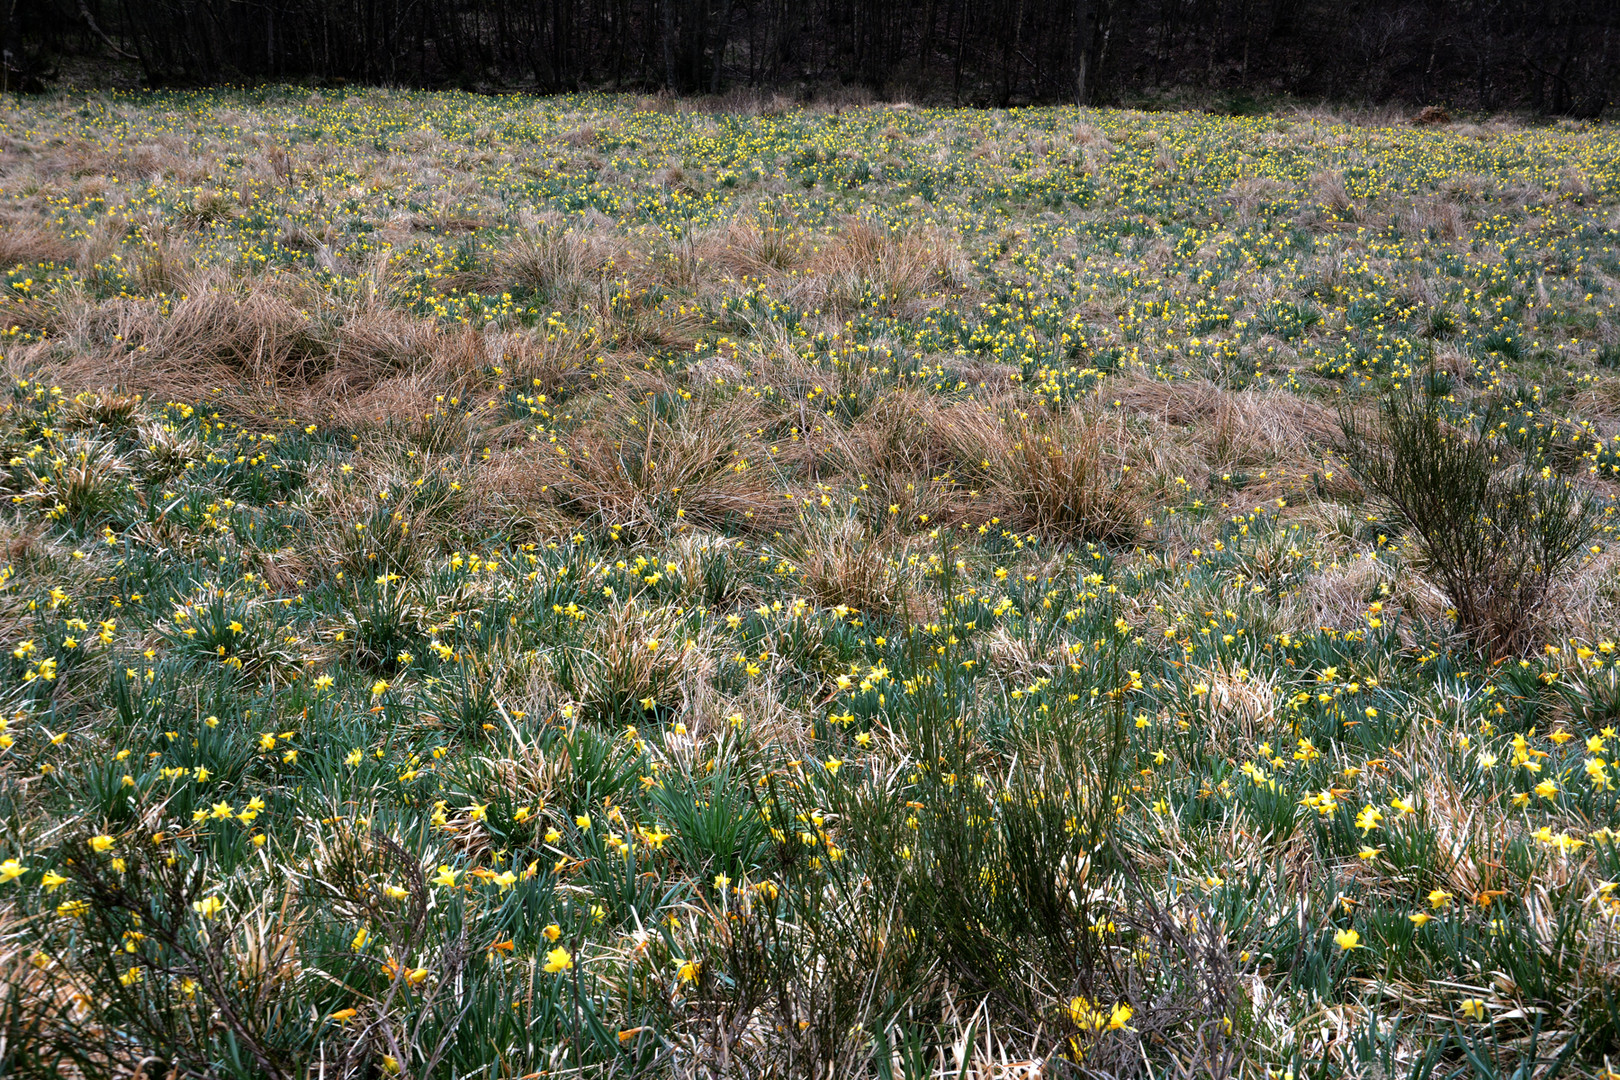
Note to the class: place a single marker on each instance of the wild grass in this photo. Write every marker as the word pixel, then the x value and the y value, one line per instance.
pixel 588 587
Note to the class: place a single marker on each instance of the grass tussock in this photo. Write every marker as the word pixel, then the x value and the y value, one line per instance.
pixel 552 264
pixel 354 362
pixel 843 563
pixel 28 244
pixel 869 263
pixel 697 463
pixel 1070 479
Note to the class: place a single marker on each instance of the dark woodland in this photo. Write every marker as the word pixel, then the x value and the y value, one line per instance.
pixel 1549 56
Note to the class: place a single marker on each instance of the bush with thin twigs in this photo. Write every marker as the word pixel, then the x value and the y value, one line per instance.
pixel 1496 536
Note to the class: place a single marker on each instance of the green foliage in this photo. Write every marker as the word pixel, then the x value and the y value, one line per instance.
pixel 1496 536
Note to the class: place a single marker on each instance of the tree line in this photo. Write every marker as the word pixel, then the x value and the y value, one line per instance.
pixel 1557 56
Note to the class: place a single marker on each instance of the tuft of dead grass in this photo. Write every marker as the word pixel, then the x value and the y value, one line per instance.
pixel 1068 477
pixel 914 452
pixel 753 247
pixel 696 464
pixel 639 655
pixel 896 270
pixel 1232 430
pixel 556 265
pixel 27 245
pixel 842 562
pixel 273 350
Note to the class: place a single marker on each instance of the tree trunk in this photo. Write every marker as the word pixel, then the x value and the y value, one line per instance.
pixel 669 44
pixel 722 32
pixel 7 11
pixel 1084 30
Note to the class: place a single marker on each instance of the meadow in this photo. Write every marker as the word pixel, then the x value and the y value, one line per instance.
pixel 612 587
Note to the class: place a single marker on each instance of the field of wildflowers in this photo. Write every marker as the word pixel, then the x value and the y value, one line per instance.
pixel 499 587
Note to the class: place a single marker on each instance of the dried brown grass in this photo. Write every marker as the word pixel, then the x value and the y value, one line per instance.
pixel 841 561
pixel 756 248
pixel 917 453
pixel 560 266
pixel 266 347
pixel 641 654
pixel 545 361
pixel 1248 194
pixel 1069 477
pixel 1327 192
pixel 27 245
pixel 898 270
pixel 1436 217
pixel 701 466
pixel 1586 602
pixel 1232 429
pixel 1240 703
pixel 27 314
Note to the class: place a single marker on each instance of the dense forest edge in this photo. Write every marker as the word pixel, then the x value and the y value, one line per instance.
pixel 1559 57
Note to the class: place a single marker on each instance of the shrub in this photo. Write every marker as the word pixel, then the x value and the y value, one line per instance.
pixel 1494 536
